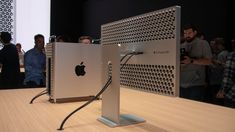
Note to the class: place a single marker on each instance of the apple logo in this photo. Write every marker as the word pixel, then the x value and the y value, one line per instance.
pixel 80 69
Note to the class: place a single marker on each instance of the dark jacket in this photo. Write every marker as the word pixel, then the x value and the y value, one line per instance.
pixel 10 71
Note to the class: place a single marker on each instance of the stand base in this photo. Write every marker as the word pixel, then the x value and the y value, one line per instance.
pixel 125 119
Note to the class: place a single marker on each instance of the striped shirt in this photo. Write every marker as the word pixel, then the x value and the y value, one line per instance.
pixel 228 84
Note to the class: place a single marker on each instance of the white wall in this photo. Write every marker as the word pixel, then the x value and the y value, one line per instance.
pixel 32 17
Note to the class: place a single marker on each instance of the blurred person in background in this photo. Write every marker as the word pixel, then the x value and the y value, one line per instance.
pixel 10 70
pixel 216 69
pixel 196 57
pixel 20 53
pixel 35 63
pixel 85 40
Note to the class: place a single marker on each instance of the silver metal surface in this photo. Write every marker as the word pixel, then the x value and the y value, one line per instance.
pixel 111 97
pixel 125 119
pixel 157 35
pixel 156 25
pixel 64 83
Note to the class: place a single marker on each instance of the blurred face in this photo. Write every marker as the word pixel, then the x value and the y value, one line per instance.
pixel 220 47
pixel 39 43
pixel 189 34
pixel 86 41
pixel 18 47
pixel 213 46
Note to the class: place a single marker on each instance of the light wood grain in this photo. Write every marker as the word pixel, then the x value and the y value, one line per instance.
pixel 162 114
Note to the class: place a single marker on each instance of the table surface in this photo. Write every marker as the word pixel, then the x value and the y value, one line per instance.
pixel 162 114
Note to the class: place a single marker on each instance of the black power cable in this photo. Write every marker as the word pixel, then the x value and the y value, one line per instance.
pixel 126 61
pixel 87 103
pixel 102 90
pixel 124 56
pixel 38 95
pixel 131 53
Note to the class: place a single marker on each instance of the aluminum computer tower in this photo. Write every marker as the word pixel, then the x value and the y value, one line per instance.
pixel 63 82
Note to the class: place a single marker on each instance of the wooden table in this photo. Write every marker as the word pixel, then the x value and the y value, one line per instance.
pixel 162 114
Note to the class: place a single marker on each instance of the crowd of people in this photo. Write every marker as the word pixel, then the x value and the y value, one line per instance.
pixel 207 69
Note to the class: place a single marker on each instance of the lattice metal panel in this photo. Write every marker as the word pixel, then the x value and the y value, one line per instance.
pixel 157 25
pixel 157 35
pixel 151 78
pixel 7 16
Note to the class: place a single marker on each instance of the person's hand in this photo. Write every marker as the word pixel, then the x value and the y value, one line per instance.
pixel 220 94
pixel 186 60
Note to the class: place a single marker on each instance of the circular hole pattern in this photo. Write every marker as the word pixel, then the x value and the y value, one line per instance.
pixel 152 78
pixel 158 25
pixel 6 16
